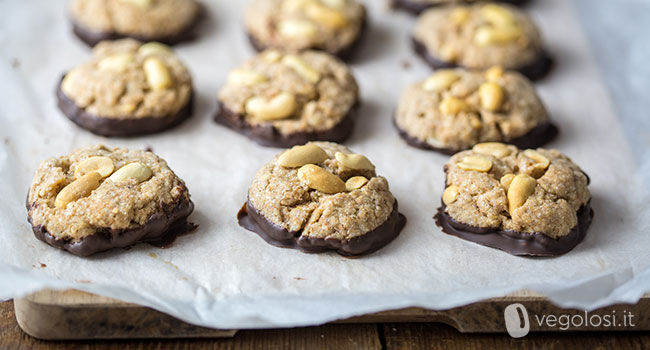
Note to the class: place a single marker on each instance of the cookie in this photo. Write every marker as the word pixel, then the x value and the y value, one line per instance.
pixel 165 21
pixel 524 202
pixel 127 89
pixel 481 36
pixel 418 6
pixel 318 197
pixel 282 99
pixel 334 26
pixel 454 109
pixel 97 198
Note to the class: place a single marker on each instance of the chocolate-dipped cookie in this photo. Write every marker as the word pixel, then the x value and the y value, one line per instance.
pixel 334 26
pixel 418 6
pixel 321 196
pixel 481 36
pixel 97 198
pixel 127 89
pixel 165 21
pixel 282 99
pixel 454 109
pixel 524 202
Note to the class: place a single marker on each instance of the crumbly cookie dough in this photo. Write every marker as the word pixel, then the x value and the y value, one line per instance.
pixel 498 187
pixel 126 80
pixel 97 198
pixel 167 21
pixel 454 109
pixel 299 96
pixel 329 25
pixel 479 36
pixel 321 195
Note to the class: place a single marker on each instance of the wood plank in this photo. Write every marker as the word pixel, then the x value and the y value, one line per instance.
pixel 364 336
pixel 405 336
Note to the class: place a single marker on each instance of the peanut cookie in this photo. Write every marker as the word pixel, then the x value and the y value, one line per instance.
pixel 481 36
pixel 127 89
pixel 284 99
pixel 454 109
pixel 97 198
pixel 319 197
pixel 418 6
pixel 525 202
pixel 166 21
pixel 334 26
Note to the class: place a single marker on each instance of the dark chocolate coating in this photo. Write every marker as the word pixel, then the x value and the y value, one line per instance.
pixel 418 7
pixel 536 137
pixel 518 243
pixel 92 38
pixel 120 127
pixel 345 53
pixel 535 70
pixel 251 219
pixel 160 230
pixel 267 135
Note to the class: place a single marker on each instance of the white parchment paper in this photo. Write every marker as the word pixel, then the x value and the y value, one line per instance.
pixel 224 276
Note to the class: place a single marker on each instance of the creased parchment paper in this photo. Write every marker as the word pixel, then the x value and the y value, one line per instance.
pixel 224 276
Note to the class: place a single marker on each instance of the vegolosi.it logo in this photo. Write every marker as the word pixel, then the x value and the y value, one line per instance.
pixel 518 322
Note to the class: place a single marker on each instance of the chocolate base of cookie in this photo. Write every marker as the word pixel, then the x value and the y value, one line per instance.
pixel 120 127
pixel 267 135
pixel 160 230
pixel 253 220
pixel 536 137
pixel 535 70
pixel 345 53
pixel 515 242
pixel 416 7
pixel 92 37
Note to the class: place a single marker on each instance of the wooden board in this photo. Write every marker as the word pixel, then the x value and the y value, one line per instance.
pixel 74 314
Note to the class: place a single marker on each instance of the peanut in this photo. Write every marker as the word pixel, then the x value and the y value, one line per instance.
pixel 355 183
pixel 494 73
pixel 476 163
pixel 521 187
pixel 79 188
pixel 137 171
pixel 506 180
pixel 497 15
pixel 139 3
pixel 118 62
pixel 496 149
pixel 450 194
pixel 301 67
pixel 245 77
pixel 320 179
pixel 440 80
pixel 280 106
pixel 157 74
pixel 103 165
pixel 354 161
pixel 297 29
pixel 153 48
pixel 491 96
pixel 298 156
pixel 326 16
pixel 486 36
pixel 453 106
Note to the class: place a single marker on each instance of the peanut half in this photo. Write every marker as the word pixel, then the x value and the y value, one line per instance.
pixel 137 171
pixel 298 156
pixel 153 48
pixel 354 161
pixel 118 62
pixel 450 194
pixel 139 3
pixel 297 29
pixel 486 36
pixel 355 183
pixel 103 165
pixel 540 163
pixel 506 180
pixel 79 188
pixel 157 74
pixel 476 163
pixel 301 67
pixel 459 15
pixel 497 15
pixel 440 80
pixel 320 179
pixel 521 187
pixel 453 106
pixel 494 73
pixel 326 16
pixel 278 107
pixel 246 77
pixel 496 149
pixel 491 96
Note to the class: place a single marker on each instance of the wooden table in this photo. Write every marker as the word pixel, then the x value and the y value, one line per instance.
pixel 342 336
